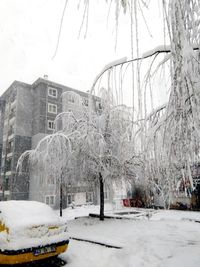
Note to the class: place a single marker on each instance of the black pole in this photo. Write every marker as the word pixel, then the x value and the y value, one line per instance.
pixel 101 183
pixel 61 199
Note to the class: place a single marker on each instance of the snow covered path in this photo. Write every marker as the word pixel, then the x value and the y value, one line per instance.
pixel 166 240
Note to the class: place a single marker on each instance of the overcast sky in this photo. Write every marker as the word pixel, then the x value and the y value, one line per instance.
pixel 28 36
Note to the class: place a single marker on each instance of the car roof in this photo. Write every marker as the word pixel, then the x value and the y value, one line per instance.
pixel 18 213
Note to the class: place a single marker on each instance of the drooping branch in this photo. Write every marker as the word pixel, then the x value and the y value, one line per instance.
pixel 156 51
pixel 60 29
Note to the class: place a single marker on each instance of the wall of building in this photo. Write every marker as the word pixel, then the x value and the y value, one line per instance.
pixel 24 111
pixel 9 98
pixel 36 138
pixel 38 189
pixel 40 130
pixel 21 140
pixel 40 109
pixel 39 105
pixel 2 106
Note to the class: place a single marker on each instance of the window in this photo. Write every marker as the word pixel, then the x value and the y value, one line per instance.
pixel 50 200
pixel 8 164
pixel 52 108
pixel 98 105
pixel 70 198
pixel 10 147
pixel 52 92
pixel 86 102
pixel 47 200
pixel 89 197
pixel 50 125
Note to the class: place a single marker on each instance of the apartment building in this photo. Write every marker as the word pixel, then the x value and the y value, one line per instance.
pixel 27 113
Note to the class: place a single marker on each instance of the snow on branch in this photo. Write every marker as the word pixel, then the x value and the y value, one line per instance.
pixel 155 111
pixel 157 50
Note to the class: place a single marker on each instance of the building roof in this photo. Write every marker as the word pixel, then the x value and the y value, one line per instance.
pixel 57 85
pixel 44 81
pixel 13 84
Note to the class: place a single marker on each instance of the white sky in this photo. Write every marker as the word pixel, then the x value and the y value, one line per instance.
pixel 28 36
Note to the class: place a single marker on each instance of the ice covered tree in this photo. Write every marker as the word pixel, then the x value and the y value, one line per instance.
pixel 106 146
pixel 178 129
pixel 182 125
pixel 174 139
pixel 96 138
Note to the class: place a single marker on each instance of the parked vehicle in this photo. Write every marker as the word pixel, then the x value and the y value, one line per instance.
pixel 30 231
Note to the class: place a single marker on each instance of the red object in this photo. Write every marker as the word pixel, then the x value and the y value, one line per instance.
pixel 126 202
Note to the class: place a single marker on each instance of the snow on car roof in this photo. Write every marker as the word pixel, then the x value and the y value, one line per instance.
pixel 18 213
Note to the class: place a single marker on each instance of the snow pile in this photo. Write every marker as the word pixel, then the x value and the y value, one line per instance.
pixel 29 224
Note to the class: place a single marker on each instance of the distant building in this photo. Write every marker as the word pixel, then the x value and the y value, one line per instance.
pixel 27 113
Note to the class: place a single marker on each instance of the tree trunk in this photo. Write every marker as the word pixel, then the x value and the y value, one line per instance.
pixel 61 199
pixel 101 183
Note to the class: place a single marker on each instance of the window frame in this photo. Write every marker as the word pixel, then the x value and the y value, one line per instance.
pixel 52 105
pixel 72 195
pixel 53 90
pixel 50 197
pixel 86 102
pixel 90 198
pixel 47 202
pixel 50 121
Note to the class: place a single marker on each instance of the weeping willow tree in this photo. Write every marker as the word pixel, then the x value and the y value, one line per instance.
pixel 168 140
pixel 183 132
pixel 176 143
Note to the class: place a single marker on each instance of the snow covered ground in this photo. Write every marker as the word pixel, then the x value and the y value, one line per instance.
pixel 148 238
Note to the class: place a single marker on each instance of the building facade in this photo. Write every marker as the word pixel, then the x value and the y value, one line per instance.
pixel 27 114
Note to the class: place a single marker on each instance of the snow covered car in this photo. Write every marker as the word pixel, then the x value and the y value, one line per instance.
pixel 30 231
